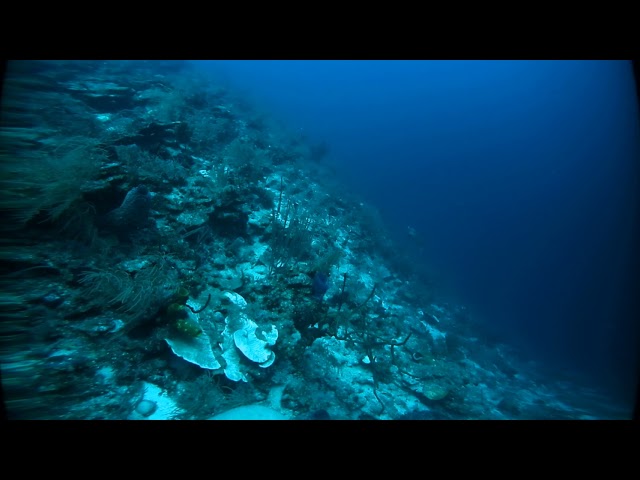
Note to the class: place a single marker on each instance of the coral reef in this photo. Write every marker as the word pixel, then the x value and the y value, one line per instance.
pixel 173 253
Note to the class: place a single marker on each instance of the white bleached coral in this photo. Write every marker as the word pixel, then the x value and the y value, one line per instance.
pixel 195 350
pixel 198 349
pixel 255 348
pixel 241 335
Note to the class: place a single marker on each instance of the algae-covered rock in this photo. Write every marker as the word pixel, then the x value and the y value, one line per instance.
pixel 435 392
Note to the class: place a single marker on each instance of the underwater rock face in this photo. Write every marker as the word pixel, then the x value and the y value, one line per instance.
pixel 272 411
pixel 155 404
pixel 134 211
pixel 435 392
pixel 52 300
pixel 320 285
pixel 321 414
pixel 146 407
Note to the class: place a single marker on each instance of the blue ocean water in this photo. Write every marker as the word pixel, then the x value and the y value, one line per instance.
pixel 519 177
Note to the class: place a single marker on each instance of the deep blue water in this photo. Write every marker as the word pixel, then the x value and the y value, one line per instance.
pixel 520 177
